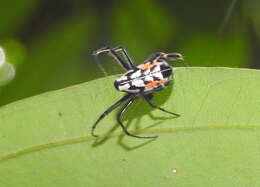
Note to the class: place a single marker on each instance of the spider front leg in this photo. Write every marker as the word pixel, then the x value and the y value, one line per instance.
pixel 120 115
pixel 149 101
pixel 113 52
pixel 125 54
pixel 110 109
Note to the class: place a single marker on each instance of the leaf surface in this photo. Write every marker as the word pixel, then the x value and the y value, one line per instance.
pixel 45 140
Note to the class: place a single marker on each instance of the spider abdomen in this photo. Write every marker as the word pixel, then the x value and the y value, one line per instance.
pixel 148 77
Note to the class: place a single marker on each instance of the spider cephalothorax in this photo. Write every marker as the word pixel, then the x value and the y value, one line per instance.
pixel 141 80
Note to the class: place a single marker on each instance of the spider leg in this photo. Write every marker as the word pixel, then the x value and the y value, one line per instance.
pixel 149 101
pixel 110 109
pixel 149 96
pixel 125 54
pixel 112 52
pixel 120 115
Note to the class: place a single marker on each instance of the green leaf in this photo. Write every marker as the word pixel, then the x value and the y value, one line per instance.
pixel 45 140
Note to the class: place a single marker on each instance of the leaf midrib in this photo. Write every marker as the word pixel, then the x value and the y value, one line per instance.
pixel 117 134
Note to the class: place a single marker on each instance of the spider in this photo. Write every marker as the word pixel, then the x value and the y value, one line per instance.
pixel 139 81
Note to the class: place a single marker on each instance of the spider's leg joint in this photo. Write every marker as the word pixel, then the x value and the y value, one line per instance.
pixel 101 50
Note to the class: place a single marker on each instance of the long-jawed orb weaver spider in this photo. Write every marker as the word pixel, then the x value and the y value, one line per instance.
pixel 139 81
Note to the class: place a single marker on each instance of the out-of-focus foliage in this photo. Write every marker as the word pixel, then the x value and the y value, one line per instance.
pixel 6 70
pixel 50 42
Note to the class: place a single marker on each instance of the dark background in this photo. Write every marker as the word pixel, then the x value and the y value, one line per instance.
pixel 49 42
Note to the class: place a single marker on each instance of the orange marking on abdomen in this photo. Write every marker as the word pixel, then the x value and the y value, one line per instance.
pixel 148 66
pixel 155 83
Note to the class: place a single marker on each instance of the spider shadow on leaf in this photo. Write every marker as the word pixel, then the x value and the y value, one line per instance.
pixel 135 113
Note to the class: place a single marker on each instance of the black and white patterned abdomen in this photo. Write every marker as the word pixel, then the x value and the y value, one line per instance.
pixel 146 78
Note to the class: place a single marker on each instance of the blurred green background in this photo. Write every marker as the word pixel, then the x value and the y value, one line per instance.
pixel 49 43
